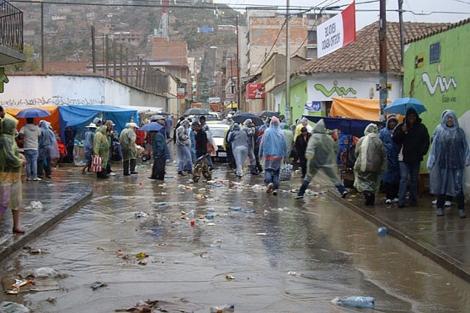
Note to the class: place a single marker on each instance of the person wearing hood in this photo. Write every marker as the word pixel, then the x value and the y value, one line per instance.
pixel 413 138
pixel 11 163
pixel 183 148
pixel 321 155
pixel 302 123
pixel 88 146
pixel 250 130
pixel 46 144
pixel 129 149
pixel 238 140
pixel 449 156
pixel 371 161
pixel 160 151
pixel 101 148
pixel 300 147
pixel 391 177
pixel 273 150
pixel 31 143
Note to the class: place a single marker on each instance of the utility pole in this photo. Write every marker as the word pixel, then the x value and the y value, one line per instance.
pixel 106 54
pixel 120 62
pixel 288 107
pixel 114 59
pixel 93 48
pixel 402 38
pixel 239 92
pixel 383 56
pixel 127 65
pixel 42 37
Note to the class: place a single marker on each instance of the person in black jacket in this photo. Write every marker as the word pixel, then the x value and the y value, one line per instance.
pixel 300 147
pixel 201 140
pixel 413 138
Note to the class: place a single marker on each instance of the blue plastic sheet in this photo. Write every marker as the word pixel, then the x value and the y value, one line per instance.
pixel 345 125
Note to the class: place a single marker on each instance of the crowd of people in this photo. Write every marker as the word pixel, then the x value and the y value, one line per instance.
pixel 389 158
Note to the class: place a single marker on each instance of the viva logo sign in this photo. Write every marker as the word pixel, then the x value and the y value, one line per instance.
pixel 442 83
pixel 340 91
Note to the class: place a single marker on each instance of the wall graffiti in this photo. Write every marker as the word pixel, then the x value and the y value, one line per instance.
pixel 340 91
pixel 54 100
pixel 443 83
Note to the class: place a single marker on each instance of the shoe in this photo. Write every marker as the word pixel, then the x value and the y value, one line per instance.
pixel 440 212
pixel 275 192
pixel 126 174
pixel 270 188
pixel 299 197
pixel 344 194
pixel 462 214
pixel 182 173
pixel 395 200
pixel 37 179
pixel 134 173
pixel 388 201
pixel 18 231
pixel 448 204
pixel 434 202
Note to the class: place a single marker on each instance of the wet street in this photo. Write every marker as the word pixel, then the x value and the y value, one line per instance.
pixel 260 252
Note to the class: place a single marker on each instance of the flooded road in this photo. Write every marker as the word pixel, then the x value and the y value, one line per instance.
pixel 260 252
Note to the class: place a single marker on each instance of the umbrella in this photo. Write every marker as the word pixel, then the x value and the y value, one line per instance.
pixel 269 114
pixel 32 113
pixel 196 111
pixel 401 105
pixel 240 118
pixel 151 127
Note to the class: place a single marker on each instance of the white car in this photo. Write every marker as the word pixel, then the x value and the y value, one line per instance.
pixel 218 131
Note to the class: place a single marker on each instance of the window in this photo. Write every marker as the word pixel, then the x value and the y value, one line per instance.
pixel 435 53
pixel 312 37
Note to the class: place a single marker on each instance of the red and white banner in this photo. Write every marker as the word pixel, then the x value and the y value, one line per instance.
pixel 255 91
pixel 337 32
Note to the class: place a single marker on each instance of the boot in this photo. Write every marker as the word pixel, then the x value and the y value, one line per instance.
pixel 133 163
pixel 125 167
pixel 302 190
pixel 154 170
pixel 253 170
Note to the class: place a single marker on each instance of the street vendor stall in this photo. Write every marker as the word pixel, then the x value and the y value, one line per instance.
pixel 53 117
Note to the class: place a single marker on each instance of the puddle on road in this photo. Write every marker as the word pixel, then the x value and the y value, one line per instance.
pixel 332 251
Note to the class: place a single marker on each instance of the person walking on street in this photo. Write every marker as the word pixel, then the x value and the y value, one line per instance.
pixel 250 130
pixel 210 140
pixel 111 136
pixel 160 152
pixel 371 160
pixel 391 177
pixel 88 146
pixel 129 149
pixel 413 138
pixel 46 145
pixel 101 149
pixel 31 144
pixel 320 155
pixel 11 162
pixel 273 149
pixel 201 140
pixel 289 136
pixel 449 156
pixel 238 140
pixel 301 146
pixel 183 148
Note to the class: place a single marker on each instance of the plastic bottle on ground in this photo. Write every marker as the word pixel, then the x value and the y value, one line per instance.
pixel 356 302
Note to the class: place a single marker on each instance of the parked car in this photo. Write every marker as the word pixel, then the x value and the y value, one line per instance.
pixel 218 131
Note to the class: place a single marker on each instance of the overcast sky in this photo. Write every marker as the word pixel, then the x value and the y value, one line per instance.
pixel 365 18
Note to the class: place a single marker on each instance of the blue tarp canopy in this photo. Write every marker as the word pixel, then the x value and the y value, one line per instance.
pixel 345 125
pixel 79 116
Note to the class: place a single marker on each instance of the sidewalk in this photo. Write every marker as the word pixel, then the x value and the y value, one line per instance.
pixel 443 239
pixel 58 199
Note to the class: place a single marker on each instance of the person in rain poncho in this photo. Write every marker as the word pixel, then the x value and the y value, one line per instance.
pixel 129 149
pixel 88 146
pixel 31 143
pixel 289 136
pixel 371 160
pixel 321 155
pixel 10 173
pixel 413 138
pixel 391 177
pixel 46 146
pixel 273 149
pixel 446 163
pixel 301 146
pixel 302 123
pixel 160 151
pixel 250 130
pixel 238 140
pixel 101 148
pixel 183 149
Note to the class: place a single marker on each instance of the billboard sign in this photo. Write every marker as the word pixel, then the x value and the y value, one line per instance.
pixel 255 91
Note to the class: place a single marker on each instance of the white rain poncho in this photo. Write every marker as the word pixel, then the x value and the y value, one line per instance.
pixel 238 140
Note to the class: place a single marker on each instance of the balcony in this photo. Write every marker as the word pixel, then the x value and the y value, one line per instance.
pixel 11 34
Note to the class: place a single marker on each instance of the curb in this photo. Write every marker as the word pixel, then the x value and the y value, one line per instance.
pixel 427 250
pixel 15 244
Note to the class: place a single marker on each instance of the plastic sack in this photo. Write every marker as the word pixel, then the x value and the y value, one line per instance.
pixel 286 172
pixel 45 272
pixel 355 302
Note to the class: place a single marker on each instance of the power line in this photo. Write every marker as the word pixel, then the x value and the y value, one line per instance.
pixel 272 47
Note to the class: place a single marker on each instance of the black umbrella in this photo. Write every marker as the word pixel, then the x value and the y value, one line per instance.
pixel 240 118
pixel 269 114
pixel 196 111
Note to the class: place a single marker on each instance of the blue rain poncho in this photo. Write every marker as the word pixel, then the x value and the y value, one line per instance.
pixel 273 146
pixel 47 140
pixel 448 158
pixel 392 174
pixel 371 160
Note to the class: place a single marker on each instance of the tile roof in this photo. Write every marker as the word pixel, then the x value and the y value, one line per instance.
pixel 363 54
pixel 437 31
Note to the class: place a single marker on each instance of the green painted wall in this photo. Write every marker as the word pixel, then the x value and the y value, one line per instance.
pixel 298 98
pixel 444 84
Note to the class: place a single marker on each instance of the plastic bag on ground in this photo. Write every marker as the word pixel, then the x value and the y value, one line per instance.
pixel 45 272
pixel 355 302
pixel 223 309
pixel 13 307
